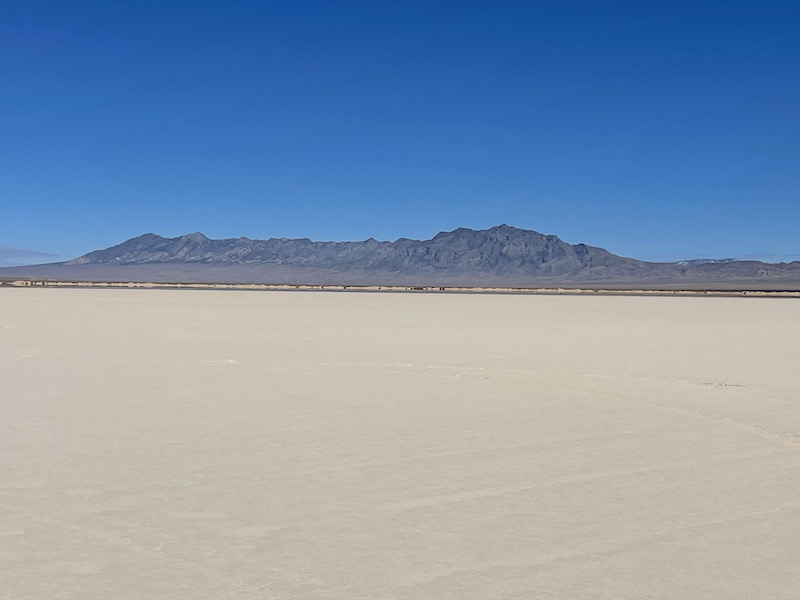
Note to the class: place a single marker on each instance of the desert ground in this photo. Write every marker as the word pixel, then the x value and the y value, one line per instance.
pixel 248 445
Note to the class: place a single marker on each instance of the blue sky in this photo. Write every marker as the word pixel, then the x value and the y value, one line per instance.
pixel 655 129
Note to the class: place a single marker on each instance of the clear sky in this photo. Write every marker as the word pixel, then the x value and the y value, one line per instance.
pixel 656 129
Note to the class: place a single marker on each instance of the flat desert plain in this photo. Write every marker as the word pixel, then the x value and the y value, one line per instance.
pixel 250 445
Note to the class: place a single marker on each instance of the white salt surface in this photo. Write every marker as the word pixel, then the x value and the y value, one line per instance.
pixel 246 445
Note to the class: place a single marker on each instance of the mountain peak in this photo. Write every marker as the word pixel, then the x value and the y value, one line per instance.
pixel 506 229
pixel 195 237
pixel 146 237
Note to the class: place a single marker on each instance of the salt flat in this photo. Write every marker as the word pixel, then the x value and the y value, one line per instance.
pixel 249 445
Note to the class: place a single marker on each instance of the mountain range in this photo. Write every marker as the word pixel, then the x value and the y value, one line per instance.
pixel 499 256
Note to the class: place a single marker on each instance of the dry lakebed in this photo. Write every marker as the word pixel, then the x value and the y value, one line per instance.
pixel 212 444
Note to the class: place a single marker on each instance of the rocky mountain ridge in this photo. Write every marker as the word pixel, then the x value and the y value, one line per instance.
pixel 498 250
pixel 501 255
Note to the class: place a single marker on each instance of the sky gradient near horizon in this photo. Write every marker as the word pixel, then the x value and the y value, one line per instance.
pixel 659 130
